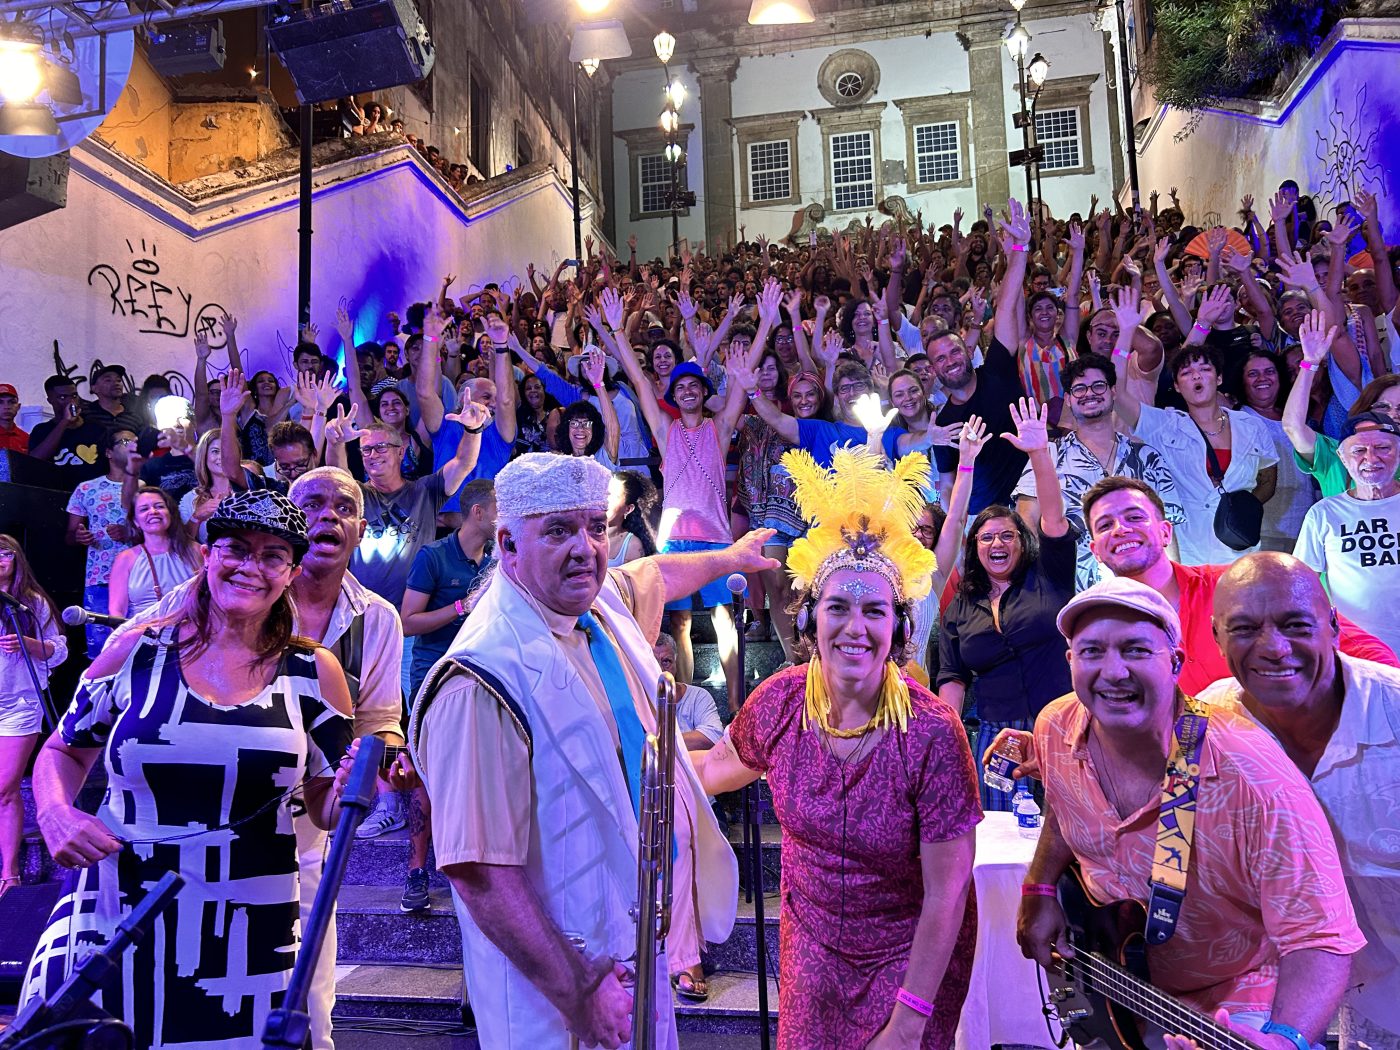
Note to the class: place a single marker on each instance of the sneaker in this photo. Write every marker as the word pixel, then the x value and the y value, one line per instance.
pixel 385 817
pixel 415 891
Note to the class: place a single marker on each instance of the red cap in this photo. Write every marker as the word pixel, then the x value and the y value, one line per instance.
pixel 6 388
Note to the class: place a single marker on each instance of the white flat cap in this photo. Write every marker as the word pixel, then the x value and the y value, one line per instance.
pixel 547 482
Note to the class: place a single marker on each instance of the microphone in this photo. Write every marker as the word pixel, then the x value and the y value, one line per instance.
pixel 8 599
pixel 76 616
pixel 736 583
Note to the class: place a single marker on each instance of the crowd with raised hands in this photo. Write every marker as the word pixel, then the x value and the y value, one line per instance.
pixel 1101 395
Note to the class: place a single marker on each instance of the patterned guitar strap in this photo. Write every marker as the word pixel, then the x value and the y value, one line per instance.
pixel 1176 823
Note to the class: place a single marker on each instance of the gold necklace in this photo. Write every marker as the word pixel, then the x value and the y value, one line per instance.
pixel 1222 419
pixel 847 734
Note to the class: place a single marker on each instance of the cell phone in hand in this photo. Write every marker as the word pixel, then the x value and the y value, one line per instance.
pixel 391 754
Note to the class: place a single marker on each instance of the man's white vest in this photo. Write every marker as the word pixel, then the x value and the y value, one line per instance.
pixel 583 843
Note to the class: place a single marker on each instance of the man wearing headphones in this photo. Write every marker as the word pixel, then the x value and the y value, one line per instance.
pixel 1248 915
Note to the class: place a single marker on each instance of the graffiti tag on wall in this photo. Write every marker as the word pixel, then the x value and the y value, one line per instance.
pixel 154 305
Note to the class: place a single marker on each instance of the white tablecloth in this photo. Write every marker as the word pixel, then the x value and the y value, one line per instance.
pixel 1003 1002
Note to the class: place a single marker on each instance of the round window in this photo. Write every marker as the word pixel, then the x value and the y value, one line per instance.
pixel 848 85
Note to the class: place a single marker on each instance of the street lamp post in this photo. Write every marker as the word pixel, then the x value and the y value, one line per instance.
pixel 1018 41
pixel 1126 86
pixel 573 163
pixel 1038 70
pixel 665 46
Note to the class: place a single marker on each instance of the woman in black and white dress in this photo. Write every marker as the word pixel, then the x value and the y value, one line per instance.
pixel 210 722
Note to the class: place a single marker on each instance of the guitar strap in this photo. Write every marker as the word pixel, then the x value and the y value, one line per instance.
pixel 1176 823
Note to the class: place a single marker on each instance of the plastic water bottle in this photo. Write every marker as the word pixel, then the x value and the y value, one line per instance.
pixel 1004 760
pixel 1028 819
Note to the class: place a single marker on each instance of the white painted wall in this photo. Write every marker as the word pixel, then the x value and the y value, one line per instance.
pixel 1347 91
pixel 910 67
pixel 385 234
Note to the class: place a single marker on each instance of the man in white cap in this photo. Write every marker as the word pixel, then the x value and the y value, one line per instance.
pixel 1195 812
pixel 528 735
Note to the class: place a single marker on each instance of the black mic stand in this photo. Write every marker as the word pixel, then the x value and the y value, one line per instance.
pixel 289 1026
pixel 69 1016
pixel 753 802
pixel 10 605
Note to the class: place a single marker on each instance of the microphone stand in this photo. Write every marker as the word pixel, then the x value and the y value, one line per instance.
pixel 41 691
pixel 66 1018
pixel 289 1026
pixel 753 804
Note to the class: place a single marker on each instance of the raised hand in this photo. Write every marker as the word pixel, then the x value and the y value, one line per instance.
pixel 880 375
pixel 344 325
pixel 304 391
pixel 448 281
pixel 866 411
pixel 1095 287
pixel 1075 238
pixel 770 300
pixel 971 439
pixel 201 345
pixel 1016 227
pixel 234 394
pixel 685 303
pixel 899 254
pixel 1247 204
pixel 497 330
pixel 327 389
pixel 230 324
pixel 735 307
pixel 1130 310
pixel 792 303
pixel 831 347
pixel 979 305
pixel 341 429
pixel 1280 208
pixel 1340 235
pixel 1369 208
pixel 310 333
pixel 1217 307
pixel 1316 335
pixel 1237 261
pixel 1029 418
pixel 822 305
pixel 1296 271
pixel 612 308
pixel 473 415
pixel 741 371
pixel 433 324
pixel 632 241
pixel 593 366
pixel 594 317
pixel 1131 268
pixel 1216 239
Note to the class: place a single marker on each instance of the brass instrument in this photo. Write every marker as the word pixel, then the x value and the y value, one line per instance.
pixel 656 821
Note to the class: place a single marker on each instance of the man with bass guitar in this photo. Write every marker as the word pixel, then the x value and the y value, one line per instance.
pixel 1197 814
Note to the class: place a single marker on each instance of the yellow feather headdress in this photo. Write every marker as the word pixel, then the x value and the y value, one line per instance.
pixel 861 514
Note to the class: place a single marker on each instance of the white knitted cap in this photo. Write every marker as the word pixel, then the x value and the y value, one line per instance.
pixel 546 482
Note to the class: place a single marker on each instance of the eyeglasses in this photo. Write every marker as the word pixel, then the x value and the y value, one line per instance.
pixel 6 555
pixel 1098 386
pixel 847 389
pixel 374 450
pixel 234 554
pixel 580 424
pixel 986 539
pixel 923 530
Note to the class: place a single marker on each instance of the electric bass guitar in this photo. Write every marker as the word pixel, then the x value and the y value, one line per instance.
pixel 1104 992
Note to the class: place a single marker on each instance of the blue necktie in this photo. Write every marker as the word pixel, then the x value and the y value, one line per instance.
pixel 630 733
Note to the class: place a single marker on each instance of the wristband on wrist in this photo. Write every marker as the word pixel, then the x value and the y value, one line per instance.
pixel 1306 365
pixel 1038 889
pixel 457 606
pixel 751 394
pixel 964 469
pixel 1020 247
pixel 474 430
pixel 1124 354
pixel 1204 329
pixel 1272 1027
pixel 909 999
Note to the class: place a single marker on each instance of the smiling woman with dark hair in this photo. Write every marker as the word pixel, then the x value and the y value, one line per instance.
pixel 999 641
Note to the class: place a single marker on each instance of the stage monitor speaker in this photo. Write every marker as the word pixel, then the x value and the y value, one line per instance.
pixel 31 186
pixel 334 53
pixel 24 913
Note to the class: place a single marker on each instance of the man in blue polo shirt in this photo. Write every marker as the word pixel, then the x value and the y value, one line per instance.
pixel 444 573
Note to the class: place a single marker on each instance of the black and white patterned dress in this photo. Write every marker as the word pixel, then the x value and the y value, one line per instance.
pixel 180 770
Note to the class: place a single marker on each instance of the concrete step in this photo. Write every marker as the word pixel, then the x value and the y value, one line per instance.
pixel 383 861
pixel 739 953
pixel 398 991
pixel 371 928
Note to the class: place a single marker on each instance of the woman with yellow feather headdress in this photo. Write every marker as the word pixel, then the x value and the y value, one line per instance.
pixel 872 777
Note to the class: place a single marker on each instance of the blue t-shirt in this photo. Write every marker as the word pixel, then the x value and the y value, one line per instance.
pixel 493 454
pixel 821 438
pixel 443 572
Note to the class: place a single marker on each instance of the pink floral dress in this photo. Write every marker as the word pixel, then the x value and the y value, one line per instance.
pixel 852 885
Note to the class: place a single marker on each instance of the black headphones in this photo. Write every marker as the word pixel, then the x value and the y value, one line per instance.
pixel 508 544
